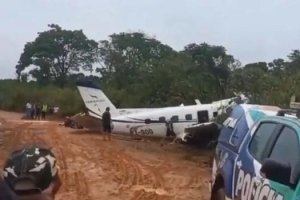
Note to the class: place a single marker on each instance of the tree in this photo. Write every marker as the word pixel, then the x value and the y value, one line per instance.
pixel 215 61
pixel 56 53
pixel 140 71
pixel 259 65
pixel 128 59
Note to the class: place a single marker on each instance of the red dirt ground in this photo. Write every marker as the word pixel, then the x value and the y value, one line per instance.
pixel 93 169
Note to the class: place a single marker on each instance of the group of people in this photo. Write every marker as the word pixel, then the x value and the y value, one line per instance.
pixel 36 110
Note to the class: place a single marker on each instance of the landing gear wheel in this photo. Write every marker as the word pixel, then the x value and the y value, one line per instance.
pixel 218 194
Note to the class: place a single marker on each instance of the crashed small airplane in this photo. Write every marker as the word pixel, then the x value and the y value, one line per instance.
pixel 155 122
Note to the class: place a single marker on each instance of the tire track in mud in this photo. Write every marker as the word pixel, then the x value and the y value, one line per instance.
pixel 130 172
pixel 61 159
pixel 16 138
pixel 127 171
pixel 154 185
pixel 189 183
pixel 82 189
pixel 21 136
pixel 34 135
pixel 54 143
pixel 9 144
pixel 73 179
pixel 146 176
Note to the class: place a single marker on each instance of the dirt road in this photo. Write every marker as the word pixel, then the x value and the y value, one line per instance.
pixel 93 169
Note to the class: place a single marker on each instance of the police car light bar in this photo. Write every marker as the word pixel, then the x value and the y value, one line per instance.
pixel 282 112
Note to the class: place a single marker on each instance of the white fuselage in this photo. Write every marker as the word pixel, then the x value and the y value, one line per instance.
pixel 153 123
pixel 127 111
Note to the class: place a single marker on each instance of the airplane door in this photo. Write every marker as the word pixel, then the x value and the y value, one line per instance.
pixel 175 126
pixel 202 116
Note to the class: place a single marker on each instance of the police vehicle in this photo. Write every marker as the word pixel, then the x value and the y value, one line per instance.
pixel 258 155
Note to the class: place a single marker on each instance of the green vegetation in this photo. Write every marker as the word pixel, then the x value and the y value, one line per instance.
pixel 14 95
pixel 139 71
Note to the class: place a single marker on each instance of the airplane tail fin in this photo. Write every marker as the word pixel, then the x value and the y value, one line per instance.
pixel 94 99
pixel 197 101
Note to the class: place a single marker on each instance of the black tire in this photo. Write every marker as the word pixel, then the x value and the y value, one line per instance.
pixel 218 193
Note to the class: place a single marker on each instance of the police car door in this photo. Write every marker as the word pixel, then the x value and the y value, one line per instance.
pixel 254 149
pixel 285 148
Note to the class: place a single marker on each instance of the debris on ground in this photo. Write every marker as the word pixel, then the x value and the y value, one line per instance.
pixel 87 122
pixel 71 123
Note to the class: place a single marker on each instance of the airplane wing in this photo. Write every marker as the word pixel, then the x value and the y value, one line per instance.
pixel 89 121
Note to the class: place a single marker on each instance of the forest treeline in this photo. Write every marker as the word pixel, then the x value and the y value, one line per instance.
pixel 136 70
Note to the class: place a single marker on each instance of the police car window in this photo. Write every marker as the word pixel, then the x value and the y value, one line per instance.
pixel 286 147
pixel 260 139
pixel 188 117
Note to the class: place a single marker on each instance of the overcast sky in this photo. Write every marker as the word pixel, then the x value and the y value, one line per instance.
pixel 251 30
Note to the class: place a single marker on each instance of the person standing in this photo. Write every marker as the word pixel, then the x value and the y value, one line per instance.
pixel 106 124
pixel 28 110
pixel 33 111
pixel 44 111
pixel 38 111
